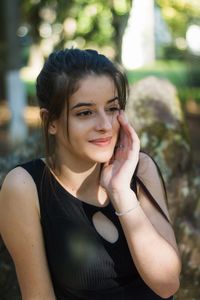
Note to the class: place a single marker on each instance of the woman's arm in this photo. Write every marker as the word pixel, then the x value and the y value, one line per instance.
pixel 149 236
pixel 21 231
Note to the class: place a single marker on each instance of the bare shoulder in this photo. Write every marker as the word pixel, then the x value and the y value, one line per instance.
pixel 18 190
pixel 17 178
pixel 18 199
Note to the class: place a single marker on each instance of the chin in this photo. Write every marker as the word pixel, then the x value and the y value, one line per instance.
pixel 102 158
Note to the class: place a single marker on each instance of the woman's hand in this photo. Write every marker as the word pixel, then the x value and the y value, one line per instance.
pixel 117 173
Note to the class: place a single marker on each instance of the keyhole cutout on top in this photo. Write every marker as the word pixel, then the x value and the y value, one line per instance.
pixel 105 227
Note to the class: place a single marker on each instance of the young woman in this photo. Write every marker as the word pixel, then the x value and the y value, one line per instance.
pixel 88 221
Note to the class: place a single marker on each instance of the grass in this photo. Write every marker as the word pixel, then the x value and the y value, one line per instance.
pixel 189 93
pixel 175 71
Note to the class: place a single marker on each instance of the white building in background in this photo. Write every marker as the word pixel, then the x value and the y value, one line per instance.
pixel 138 44
pixel 146 31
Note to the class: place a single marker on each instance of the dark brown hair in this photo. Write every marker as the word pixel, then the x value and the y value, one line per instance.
pixel 59 79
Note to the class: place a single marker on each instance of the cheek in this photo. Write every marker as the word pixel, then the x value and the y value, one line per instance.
pixel 74 126
pixel 78 131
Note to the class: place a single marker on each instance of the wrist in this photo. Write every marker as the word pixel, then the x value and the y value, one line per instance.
pixel 122 213
pixel 123 200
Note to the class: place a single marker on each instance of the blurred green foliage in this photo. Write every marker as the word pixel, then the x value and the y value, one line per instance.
pixel 179 14
pixel 81 23
pixel 101 24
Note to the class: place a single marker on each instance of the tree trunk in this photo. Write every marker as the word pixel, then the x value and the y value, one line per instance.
pixel 15 91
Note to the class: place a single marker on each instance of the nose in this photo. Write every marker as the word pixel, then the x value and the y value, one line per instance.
pixel 103 122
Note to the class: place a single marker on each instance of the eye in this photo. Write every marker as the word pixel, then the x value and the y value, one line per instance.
pixel 113 109
pixel 84 113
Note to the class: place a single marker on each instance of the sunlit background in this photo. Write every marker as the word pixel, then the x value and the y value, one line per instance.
pixel 148 37
pixel 160 37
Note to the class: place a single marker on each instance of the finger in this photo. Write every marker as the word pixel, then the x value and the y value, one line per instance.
pixel 123 143
pixel 127 131
pixel 124 125
pixel 122 118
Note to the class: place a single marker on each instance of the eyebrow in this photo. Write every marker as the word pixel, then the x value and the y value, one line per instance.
pixel 80 104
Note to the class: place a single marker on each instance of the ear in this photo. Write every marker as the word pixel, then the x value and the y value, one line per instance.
pixel 52 126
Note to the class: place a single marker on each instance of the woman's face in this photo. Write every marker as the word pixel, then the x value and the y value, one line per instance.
pixel 92 122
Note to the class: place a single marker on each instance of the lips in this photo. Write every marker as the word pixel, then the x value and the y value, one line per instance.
pixel 102 141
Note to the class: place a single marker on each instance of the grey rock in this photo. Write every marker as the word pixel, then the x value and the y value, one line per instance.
pixel 156 113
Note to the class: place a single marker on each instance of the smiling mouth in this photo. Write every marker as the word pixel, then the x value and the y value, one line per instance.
pixel 101 142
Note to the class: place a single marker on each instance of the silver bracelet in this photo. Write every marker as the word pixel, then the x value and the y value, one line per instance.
pixel 126 212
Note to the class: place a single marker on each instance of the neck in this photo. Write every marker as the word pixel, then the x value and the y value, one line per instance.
pixel 77 177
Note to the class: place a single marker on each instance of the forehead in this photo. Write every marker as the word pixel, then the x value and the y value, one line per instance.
pixel 93 88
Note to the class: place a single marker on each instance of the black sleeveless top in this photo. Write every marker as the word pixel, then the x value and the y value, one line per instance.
pixel 82 264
